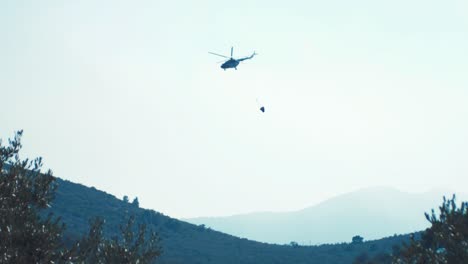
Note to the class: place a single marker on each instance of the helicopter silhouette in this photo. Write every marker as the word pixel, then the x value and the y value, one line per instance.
pixel 231 62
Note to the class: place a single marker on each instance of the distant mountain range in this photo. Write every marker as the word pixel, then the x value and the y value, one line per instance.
pixel 371 213
pixel 191 244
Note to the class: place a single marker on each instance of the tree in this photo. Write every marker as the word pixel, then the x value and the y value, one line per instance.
pixel 125 199
pixel 135 202
pixel 446 241
pixel 26 237
pixel 130 249
pixel 357 239
pixel 294 244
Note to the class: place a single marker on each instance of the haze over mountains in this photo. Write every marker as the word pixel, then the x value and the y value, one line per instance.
pixel 186 243
pixel 371 213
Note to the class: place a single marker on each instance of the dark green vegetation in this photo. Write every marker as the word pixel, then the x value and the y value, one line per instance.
pixel 26 194
pixel 446 241
pixel 28 237
pixel 187 243
pixel 118 232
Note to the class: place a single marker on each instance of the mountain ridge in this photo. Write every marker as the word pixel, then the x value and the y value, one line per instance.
pixel 187 243
pixel 371 212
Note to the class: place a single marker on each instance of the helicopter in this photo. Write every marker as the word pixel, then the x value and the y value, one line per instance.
pixel 231 62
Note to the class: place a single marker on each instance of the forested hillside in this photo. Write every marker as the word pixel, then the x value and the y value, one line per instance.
pixel 187 243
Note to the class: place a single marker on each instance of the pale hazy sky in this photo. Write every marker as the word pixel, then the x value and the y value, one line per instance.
pixel 123 96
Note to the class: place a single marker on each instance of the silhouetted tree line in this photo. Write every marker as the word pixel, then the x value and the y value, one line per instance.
pixel 26 236
pixel 135 202
pixel 29 235
pixel 357 239
pixel 446 241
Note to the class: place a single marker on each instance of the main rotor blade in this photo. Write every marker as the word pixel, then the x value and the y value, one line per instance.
pixel 231 51
pixel 219 55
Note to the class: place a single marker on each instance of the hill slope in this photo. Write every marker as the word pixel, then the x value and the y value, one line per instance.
pixel 187 243
pixel 372 213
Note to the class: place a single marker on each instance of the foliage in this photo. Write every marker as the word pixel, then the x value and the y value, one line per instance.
pixel 183 242
pixel 446 241
pixel 24 190
pixel 28 236
pixel 130 249
pixel 357 239
pixel 191 244
pixel 294 244
pixel 135 202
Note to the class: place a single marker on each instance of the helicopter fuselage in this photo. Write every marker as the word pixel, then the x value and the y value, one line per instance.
pixel 231 63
